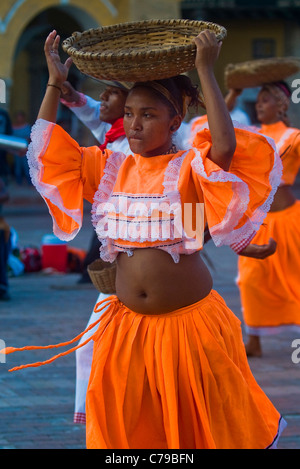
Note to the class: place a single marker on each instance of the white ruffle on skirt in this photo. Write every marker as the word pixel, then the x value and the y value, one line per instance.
pixel 84 357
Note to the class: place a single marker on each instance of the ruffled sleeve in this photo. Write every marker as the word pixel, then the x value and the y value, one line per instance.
pixel 237 201
pixel 64 174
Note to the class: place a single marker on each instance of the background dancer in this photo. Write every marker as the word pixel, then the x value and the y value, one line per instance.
pixel 270 292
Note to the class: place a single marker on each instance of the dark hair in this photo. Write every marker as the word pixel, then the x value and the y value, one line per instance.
pixel 179 87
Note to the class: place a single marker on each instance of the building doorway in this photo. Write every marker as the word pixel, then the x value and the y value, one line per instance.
pixel 30 73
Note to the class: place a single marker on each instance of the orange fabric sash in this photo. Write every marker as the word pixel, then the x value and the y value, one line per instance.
pixel 98 308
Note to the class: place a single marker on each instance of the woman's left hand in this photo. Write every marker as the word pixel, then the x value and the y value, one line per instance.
pixel 259 251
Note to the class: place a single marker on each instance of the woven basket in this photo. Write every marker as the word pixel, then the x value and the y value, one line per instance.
pixel 257 72
pixel 103 276
pixel 138 51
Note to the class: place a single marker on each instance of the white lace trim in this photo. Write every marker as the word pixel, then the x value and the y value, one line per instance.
pixel 173 249
pixel 130 216
pixel 275 178
pixel 101 197
pixel 109 177
pixel 40 136
pixel 143 204
pixel 224 232
pixel 172 174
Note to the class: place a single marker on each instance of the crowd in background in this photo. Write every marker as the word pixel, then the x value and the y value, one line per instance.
pixel 14 165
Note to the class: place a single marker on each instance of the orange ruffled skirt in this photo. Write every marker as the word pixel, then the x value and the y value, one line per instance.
pixel 270 288
pixel 174 381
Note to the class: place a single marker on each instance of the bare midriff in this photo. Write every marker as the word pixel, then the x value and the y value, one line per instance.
pixel 150 282
pixel 283 199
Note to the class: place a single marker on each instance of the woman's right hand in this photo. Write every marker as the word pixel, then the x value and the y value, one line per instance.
pixel 58 71
pixel 260 251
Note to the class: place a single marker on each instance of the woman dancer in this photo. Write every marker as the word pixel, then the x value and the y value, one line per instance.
pixel 169 367
pixel 270 292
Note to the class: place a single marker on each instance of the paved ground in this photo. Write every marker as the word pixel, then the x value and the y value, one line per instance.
pixel 36 405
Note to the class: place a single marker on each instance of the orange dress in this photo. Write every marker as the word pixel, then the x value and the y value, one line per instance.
pixel 167 381
pixel 270 288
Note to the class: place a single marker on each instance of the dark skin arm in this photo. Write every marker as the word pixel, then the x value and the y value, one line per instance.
pixel 252 250
pixel 259 251
pixel 230 98
pixel 220 123
pixel 58 73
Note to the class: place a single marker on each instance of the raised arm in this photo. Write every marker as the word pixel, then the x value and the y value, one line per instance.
pixel 86 109
pixel 261 251
pixel 58 73
pixel 231 97
pixel 220 123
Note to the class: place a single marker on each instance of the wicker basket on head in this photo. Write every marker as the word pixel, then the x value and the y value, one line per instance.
pixel 258 72
pixel 138 51
pixel 103 276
